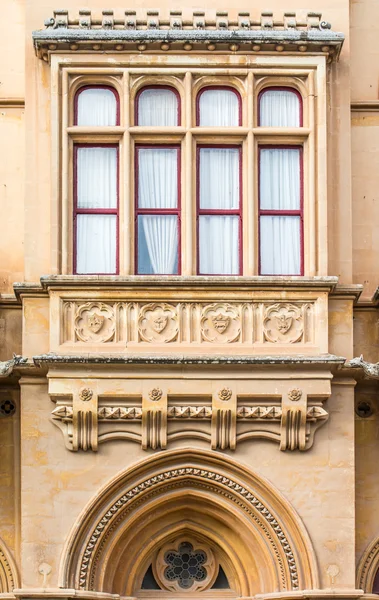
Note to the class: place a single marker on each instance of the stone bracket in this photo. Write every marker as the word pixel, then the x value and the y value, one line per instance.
pixel 154 419
pixel 294 420
pixel 224 412
pixel 224 419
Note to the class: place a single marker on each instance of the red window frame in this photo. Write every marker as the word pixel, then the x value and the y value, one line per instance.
pixel 280 89
pixel 96 87
pixel 158 211
pixel 218 87
pixel 160 87
pixel 209 212
pixel 283 213
pixel 95 211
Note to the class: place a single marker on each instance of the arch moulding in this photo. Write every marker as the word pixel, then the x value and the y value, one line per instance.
pixel 189 492
pixel 368 566
pixel 8 570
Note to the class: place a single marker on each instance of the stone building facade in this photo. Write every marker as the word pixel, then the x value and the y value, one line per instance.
pixel 188 277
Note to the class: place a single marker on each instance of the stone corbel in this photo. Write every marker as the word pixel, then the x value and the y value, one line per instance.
pixel 224 419
pixel 293 427
pixel 85 419
pixel 154 418
pixel 76 413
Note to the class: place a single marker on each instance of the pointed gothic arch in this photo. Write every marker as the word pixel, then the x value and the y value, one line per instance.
pixel 256 534
pixel 8 570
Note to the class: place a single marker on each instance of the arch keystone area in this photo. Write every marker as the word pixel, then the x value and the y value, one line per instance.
pixel 189 492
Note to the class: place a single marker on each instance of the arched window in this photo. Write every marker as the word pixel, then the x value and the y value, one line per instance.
pixel 96 106
pixel 157 106
pixel 280 107
pixel 218 107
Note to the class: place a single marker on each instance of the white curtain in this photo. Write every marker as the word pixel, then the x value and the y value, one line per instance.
pixel 96 189
pixel 280 178
pixel 97 177
pixel 219 190
pixel 279 108
pixel 218 108
pixel 158 189
pixel 96 107
pixel 280 245
pixel 96 243
pixel 158 107
pixel 219 178
pixel 219 241
pixel 159 235
pixel 280 190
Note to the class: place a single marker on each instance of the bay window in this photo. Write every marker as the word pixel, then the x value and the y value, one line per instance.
pixel 217 180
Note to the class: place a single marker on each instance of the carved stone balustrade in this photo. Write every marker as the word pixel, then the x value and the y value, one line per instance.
pixel 194 315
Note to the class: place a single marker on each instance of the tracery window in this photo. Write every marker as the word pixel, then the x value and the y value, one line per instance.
pixel 189 179
pixel 185 566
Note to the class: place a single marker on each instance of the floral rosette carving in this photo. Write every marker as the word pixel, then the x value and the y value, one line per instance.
pixel 283 322
pixel 94 322
pixel 220 323
pixel 86 394
pixel 158 322
pixel 225 394
pixel 295 394
pixel 155 394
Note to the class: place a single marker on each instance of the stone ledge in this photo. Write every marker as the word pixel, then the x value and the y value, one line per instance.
pixel 152 33
pixel 181 359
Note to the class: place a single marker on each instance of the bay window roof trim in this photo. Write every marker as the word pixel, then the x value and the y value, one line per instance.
pixel 64 34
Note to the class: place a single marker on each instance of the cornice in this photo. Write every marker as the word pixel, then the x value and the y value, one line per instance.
pixel 182 359
pixel 365 106
pixel 173 281
pixel 129 34
pixel 12 103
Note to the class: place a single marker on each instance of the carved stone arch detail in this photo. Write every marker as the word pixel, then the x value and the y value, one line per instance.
pixel 201 492
pixel 8 570
pixel 368 567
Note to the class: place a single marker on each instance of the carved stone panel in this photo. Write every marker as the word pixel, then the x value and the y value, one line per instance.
pixel 158 323
pixel 94 322
pixel 220 323
pixel 283 322
pixel 131 325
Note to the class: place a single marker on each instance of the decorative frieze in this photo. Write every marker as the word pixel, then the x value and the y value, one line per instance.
pixel 114 325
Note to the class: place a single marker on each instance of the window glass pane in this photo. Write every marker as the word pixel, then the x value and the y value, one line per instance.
pixel 219 244
pixel 157 177
pixel 219 178
pixel 279 108
pixel 96 243
pixel 279 179
pixel 157 107
pixel 157 244
pixel 96 106
pixel 280 245
pixel 97 177
pixel 218 108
